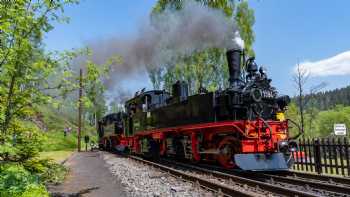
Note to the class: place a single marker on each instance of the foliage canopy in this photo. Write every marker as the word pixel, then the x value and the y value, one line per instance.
pixel 205 69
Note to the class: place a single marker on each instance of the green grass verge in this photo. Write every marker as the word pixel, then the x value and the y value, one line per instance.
pixel 55 123
pixel 56 141
pixel 57 156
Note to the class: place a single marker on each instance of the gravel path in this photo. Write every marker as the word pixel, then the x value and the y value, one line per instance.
pixel 88 177
pixel 143 180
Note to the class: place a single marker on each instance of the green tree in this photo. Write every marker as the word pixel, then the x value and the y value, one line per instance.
pixel 206 68
pixel 155 75
pixel 94 87
pixel 293 114
pixel 327 119
pixel 24 66
pixel 26 81
pixel 18 182
pixel 245 20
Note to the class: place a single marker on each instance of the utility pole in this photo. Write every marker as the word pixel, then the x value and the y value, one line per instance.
pixel 80 108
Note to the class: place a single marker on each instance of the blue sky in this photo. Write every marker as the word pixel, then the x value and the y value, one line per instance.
pixel 287 32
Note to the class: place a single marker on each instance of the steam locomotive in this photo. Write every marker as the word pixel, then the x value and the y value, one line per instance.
pixel 242 126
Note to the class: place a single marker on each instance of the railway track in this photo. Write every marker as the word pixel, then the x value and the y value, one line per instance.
pixel 323 178
pixel 314 185
pixel 218 188
pixel 226 184
pixel 307 184
pixel 330 183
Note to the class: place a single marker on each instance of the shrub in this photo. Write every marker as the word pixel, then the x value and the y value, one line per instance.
pixel 34 190
pixel 21 143
pixel 16 181
pixel 54 173
pixel 47 170
pixel 22 173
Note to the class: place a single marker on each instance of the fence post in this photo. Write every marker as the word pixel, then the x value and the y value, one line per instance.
pixel 312 161
pixel 306 155
pixel 341 152
pixel 301 150
pixel 330 155
pixel 334 144
pixel 347 155
pixel 324 153
pixel 317 155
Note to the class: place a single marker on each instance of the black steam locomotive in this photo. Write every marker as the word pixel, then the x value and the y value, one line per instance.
pixel 235 127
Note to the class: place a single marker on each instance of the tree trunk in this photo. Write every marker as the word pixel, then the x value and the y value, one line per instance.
pixel 96 125
pixel 301 104
pixel 9 105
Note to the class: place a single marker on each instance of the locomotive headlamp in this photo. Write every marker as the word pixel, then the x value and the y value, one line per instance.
pixel 283 146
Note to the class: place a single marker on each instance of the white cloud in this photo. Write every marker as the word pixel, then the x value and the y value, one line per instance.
pixel 333 66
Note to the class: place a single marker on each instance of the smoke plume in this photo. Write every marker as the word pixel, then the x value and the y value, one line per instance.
pixel 165 37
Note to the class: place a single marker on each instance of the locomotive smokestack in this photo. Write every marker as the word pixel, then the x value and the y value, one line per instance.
pixel 234 66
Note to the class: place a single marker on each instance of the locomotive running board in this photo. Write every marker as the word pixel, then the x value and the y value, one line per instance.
pixel 261 161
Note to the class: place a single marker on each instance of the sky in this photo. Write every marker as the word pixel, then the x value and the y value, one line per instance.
pixel 313 33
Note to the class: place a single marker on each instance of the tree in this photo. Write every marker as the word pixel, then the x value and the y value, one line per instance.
pixel 310 103
pixel 293 114
pixel 26 73
pixel 94 88
pixel 327 119
pixel 329 99
pixel 206 68
pixel 24 66
pixel 300 79
pixel 305 103
pixel 155 75
pixel 29 76
pixel 245 20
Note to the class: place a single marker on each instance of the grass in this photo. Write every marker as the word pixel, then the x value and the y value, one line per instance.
pixel 55 123
pixel 57 156
pixel 56 141
pixel 55 120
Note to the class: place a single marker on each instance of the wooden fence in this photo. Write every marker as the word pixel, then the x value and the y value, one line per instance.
pixel 323 155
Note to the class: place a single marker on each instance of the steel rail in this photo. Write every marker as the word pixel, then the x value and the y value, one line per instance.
pixel 314 181
pixel 338 185
pixel 302 182
pixel 331 179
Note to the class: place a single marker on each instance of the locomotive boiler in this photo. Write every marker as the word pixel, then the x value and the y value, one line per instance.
pixel 242 126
